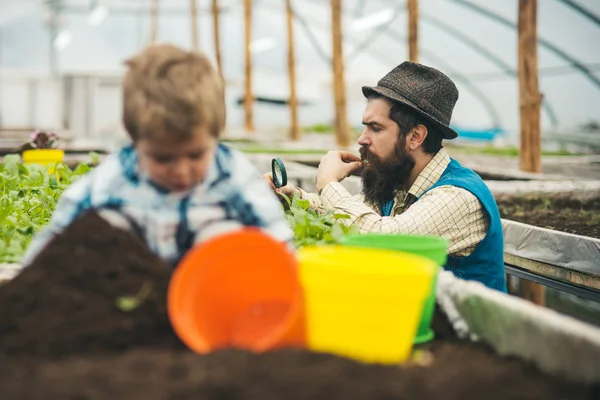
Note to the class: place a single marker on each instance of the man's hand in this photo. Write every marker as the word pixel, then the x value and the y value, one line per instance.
pixel 289 189
pixel 335 166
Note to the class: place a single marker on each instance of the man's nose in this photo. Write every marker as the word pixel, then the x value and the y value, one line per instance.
pixel 363 138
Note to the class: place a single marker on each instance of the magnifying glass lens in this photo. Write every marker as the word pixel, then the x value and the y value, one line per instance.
pixel 279 173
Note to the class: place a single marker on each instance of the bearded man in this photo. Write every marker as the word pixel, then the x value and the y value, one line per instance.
pixel 409 183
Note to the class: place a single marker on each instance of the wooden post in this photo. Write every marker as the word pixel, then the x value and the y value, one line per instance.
pixel 529 101
pixel 529 96
pixel 339 87
pixel 154 21
pixel 413 30
pixel 294 128
pixel 216 34
pixel 249 120
pixel 194 18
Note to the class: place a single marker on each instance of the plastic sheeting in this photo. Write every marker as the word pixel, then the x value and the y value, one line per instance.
pixel 575 252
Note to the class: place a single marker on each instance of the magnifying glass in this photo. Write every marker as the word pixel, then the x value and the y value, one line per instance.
pixel 279 172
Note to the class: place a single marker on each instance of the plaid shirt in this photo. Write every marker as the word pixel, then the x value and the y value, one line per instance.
pixel 233 195
pixel 446 211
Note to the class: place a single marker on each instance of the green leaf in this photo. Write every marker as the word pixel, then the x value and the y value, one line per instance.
pixel 94 157
pixel 82 169
pixel 303 204
pixel 341 216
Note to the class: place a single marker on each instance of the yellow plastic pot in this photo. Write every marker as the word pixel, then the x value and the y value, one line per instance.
pixel 44 157
pixel 363 303
pixel 433 248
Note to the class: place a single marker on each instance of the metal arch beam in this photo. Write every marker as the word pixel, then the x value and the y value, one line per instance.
pixel 485 101
pixel 499 62
pixel 488 105
pixel 360 6
pixel 544 43
pixel 374 34
pixel 581 10
pixel 482 50
pixel 504 67
pixel 311 37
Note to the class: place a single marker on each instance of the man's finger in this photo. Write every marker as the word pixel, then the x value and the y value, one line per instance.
pixel 269 179
pixel 346 156
pixel 350 167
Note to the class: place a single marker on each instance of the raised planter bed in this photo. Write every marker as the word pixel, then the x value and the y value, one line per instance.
pixel 64 336
pixel 556 238
pixel 562 214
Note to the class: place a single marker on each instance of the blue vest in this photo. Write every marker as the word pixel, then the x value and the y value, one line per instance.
pixel 486 263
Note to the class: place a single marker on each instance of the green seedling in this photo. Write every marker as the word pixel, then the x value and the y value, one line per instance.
pixel 130 303
pixel 312 228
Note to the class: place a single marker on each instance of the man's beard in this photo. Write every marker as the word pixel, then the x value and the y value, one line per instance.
pixel 381 178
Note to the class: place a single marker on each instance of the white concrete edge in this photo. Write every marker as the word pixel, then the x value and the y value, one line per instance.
pixel 555 343
pixel 9 271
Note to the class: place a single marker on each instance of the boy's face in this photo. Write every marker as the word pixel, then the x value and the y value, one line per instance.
pixel 177 165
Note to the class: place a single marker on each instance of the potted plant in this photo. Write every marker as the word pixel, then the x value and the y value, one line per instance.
pixel 42 149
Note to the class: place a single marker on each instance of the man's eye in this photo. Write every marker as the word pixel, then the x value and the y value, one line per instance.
pixel 196 156
pixel 375 129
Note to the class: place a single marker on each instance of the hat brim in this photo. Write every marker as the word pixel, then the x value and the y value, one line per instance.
pixel 446 131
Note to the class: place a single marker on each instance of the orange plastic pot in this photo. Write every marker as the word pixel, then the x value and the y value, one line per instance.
pixel 237 290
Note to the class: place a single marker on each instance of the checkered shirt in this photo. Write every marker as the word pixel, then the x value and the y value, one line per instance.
pixel 447 211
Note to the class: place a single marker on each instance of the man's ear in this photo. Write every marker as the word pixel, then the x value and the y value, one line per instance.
pixel 416 137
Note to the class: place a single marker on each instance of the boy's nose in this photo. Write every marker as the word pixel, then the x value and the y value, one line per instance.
pixel 180 169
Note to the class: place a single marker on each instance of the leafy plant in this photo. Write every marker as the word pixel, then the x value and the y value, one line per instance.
pixel 28 196
pixel 312 228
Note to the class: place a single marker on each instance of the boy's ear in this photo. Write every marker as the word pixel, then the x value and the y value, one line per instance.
pixel 416 137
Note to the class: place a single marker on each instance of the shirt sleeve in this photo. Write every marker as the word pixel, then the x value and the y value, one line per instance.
pixel 72 202
pixel 314 201
pixel 267 207
pixel 446 211
pixel 245 199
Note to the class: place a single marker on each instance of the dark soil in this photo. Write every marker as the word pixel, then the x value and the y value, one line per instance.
pixel 62 337
pixel 65 302
pixel 566 215
pixel 456 371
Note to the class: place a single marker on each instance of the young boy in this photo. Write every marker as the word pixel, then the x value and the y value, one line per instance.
pixel 175 185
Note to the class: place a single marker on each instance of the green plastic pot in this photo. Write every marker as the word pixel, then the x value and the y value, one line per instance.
pixel 430 247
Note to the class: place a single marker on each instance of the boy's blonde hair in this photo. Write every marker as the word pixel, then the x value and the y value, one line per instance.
pixel 172 93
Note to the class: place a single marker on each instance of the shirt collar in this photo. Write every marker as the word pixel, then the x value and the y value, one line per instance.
pixel 426 179
pixel 430 174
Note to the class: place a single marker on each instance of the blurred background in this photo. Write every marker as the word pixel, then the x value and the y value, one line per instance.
pixel 61 62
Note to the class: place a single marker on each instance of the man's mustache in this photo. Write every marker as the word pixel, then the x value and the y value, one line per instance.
pixel 365 154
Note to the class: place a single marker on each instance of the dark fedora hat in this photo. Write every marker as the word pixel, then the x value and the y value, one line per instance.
pixel 424 89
